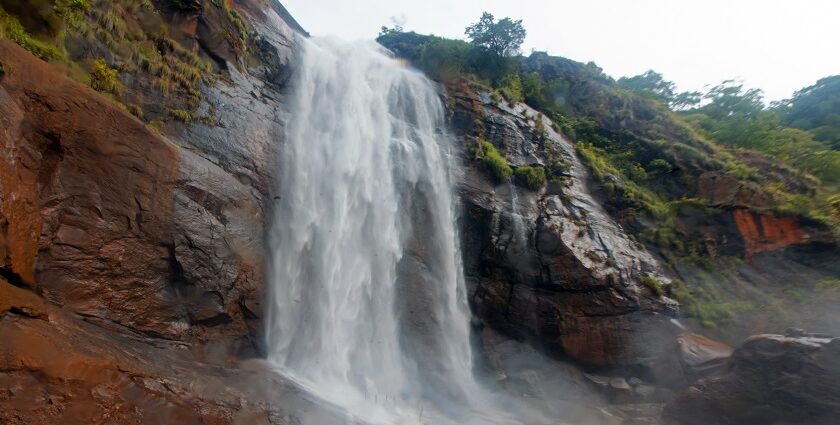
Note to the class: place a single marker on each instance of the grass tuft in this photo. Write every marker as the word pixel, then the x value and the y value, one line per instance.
pixel 494 163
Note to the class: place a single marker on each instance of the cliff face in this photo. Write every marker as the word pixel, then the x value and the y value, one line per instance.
pixel 118 223
pixel 550 265
pixel 136 250
pixel 135 256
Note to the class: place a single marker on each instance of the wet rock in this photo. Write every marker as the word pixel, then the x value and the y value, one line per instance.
pixel 65 370
pixel 769 379
pixel 551 265
pixel 125 227
pixel 701 356
pixel 94 198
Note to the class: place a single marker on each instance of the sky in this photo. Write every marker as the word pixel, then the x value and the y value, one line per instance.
pixel 777 46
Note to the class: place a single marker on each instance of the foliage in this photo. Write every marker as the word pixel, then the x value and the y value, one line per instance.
pixel 104 78
pixel 736 116
pixel 650 84
pixel 816 108
pixel 494 163
pixel 659 166
pixel 503 38
pixel 510 87
pixel 653 284
pixel 134 36
pixel 530 176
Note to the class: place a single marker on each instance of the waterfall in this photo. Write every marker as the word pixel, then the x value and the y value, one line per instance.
pixel 367 303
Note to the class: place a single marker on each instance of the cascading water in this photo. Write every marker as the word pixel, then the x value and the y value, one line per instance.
pixel 367 304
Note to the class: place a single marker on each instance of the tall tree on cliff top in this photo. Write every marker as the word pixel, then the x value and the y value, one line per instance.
pixel 503 38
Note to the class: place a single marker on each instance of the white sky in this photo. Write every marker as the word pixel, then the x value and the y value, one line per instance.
pixel 778 46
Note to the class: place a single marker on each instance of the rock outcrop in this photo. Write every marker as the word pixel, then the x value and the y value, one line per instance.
pixel 159 235
pixel 770 379
pixel 132 261
pixel 551 266
pixel 57 368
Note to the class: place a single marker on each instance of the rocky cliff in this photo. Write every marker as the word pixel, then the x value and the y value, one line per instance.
pixel 138 255
pixel 132 225
pixel 551 266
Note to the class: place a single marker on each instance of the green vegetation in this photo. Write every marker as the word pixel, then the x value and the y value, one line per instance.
pixel 816 109
pixel 105 79
pixel 193 117
pixel 654 285
pixel 709 306
pixel 737 117
pixel 134 36
pixel 648 145
pixel 494 163
pixel 502 38
pixel 829 285
pixel 530 176
pixel 510 87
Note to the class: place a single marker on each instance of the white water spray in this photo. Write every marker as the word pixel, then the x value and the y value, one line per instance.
pixel 367 303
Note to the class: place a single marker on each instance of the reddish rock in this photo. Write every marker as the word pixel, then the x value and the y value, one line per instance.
pixel 700 355
pixel 99 186
pixel 765 232
pixel 57 369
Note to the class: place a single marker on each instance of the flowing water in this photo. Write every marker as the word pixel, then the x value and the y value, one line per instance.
pixel 367 305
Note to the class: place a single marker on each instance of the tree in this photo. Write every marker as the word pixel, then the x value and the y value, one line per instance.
pixel 650 84
pixel 686 100
pixel 503 38
pixel 816 108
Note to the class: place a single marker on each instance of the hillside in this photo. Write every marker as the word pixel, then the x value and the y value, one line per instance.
pixel 748 229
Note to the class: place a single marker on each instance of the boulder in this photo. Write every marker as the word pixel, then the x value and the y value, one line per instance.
pixel 770 379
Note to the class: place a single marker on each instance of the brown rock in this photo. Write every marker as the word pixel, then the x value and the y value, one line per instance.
pixel 769 379
pixel 55 368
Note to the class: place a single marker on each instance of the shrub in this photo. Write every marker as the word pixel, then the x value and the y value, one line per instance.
pixel 104 78
pixel 659 166
pixel 653 284
pixel 494 163
pixel 510 86
pixel 530 176
pixel 186 117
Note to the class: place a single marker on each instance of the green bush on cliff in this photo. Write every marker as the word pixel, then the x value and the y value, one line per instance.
pixel 105 79
pixel 494 163
pixel 530 176
pixel 510 87
pixel 653 284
